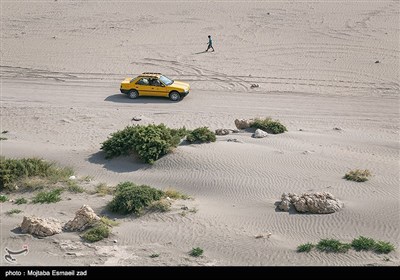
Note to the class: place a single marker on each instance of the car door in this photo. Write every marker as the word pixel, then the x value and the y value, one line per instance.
pixel 143 87
pixel 158 88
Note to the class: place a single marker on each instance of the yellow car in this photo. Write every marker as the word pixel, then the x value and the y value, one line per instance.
pixel 154 84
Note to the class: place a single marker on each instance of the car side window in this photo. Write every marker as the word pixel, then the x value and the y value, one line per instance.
pixel 155 82
pixel 143 81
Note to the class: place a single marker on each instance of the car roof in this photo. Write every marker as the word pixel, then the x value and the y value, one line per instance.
pixel 150 74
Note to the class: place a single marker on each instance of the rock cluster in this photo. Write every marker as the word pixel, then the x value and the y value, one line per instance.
pixel 40 227
pixel 316 203
pixel 84 218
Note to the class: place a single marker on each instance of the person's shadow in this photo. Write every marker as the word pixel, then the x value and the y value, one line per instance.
pixel 200 52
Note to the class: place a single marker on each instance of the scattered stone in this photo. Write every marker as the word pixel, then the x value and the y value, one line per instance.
pixel 300 129
pixel 243 123
pixel 115 241
pixel 254 86
pixel 137 118
pixel 40 227
pixel 235 130
pixel 185 208
pixel 259 236
pixel 260 134
pixel 84 218
pixel 234 140
pixel 337 128
pixel 316 203
pixel 72 177
pixel 222 131
pixel 377 61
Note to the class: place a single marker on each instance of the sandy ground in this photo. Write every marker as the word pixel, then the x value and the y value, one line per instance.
pixel 61 65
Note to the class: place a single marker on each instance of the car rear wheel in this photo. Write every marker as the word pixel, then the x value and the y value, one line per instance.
pixel 133 94
pixel 175 96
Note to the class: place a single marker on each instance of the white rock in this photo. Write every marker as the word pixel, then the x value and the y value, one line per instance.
pixel 72 177
pixel 84 218
pixel 40 227
pixel 316 203
pixel 260 134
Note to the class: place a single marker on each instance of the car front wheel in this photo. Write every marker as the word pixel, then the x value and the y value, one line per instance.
pixel 175 96
pixel 133 94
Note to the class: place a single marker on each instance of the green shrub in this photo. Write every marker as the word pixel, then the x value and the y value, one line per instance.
pixel 154 256
pixel 74 187
pixel 130 198
pixel 12 170
pixel 162 205
pixel 108 221
pixel 332 245
pixel 305 247
pixel 363 243
pixel 149 142
pixel 3 198
pixel 13 211
pixel 196 252
pixel 382 247
pixel 179 132
pixel 21 200
pixel 174 194
pixel 3 138
pixel 357 175
pixel 201 135
pixel 48 197
pixel 269 125
pixel 103 189
pixel 98 232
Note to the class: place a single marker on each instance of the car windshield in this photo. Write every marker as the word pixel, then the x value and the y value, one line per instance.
pixel 166 81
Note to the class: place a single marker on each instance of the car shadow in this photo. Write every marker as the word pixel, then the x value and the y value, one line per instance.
pixel 122 98
pixel 121 164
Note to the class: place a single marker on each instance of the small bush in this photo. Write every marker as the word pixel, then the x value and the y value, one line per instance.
pixel 3 138
pixel 12 170
pixel 13 211
pixel 154 256
pixel 74 187
pixel 162 205
pixel 382 247
pixel 201 135
pixel 130 198
pixel 108 222
pixel 174 194
pixel 196 252
pixel 149 142
pixel 102 189
pixel 3 198
pixel 98 232
pixel 269 125
pixel 332 245
pixel 48 197
pixel 305 247
pixel 363 243
pixel 357 175
pixel 21 200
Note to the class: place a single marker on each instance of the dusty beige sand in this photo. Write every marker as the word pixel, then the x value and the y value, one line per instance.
pixel 61 64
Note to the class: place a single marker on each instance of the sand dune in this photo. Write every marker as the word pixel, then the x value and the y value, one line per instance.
pixel 319 66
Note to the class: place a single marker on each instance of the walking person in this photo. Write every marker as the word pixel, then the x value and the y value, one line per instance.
pixel 210 46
